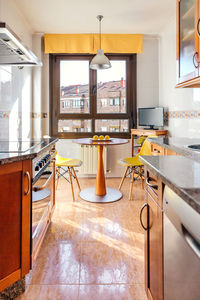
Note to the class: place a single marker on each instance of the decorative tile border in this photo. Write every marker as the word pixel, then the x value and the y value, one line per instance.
pixel 182 114
pixel 179 114
pixel 39 115
pixel 6 114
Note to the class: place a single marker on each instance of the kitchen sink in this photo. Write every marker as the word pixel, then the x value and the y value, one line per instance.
pixel 194 147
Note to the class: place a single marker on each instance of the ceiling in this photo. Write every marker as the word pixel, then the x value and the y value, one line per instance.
pixel 79 16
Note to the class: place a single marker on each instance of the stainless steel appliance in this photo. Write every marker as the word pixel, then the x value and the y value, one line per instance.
pixel 181 249
pixel 43 172
pixel 12 50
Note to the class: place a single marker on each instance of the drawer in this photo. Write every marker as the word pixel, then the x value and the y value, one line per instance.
pixel 157 150
pixel 153 186
pixel 170 152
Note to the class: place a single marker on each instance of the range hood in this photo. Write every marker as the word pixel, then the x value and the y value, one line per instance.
pixel 13 52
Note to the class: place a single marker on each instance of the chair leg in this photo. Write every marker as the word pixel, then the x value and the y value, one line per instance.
pixel 57 179
pixel 132 180
pixel 76 178
pixel 70 178
pixel 124 176
pixel 141 177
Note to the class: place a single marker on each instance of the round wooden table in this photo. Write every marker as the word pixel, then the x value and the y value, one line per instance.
pixel 100 193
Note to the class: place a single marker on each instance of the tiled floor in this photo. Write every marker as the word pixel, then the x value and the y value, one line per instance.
pixel 91 251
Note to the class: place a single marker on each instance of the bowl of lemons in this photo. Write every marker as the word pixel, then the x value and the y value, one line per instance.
pixel 101 138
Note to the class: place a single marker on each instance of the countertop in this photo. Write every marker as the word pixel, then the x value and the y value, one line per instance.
pixel 179 145
pixel 30 154
pixel 181 174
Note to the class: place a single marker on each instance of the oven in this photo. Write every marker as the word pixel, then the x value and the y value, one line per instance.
pixel 43 197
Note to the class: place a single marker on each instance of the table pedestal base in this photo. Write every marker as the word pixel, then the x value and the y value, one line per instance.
pixel 111 195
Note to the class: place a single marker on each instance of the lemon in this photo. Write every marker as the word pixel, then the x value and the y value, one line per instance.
pixel 101 137
pixel 95 137
pixel 107 137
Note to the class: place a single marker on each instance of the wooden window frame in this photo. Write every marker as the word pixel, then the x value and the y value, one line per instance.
pixel 55 115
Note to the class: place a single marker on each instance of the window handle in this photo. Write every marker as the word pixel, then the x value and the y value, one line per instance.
pixel 94 89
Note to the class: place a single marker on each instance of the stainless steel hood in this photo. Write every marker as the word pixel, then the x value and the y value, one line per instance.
pixel 13 52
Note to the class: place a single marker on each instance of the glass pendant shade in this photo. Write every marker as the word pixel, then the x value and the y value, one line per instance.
pixel 100 61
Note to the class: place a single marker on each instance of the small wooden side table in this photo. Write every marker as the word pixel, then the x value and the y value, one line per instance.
pixel 145 132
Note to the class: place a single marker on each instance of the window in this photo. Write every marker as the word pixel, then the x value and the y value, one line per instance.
pixel 65 104
pixel 78 103
pixel 86 102
pixel 103 102
pixel 115 102
pixel 111 102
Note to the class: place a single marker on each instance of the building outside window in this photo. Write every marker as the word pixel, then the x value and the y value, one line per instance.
pixel 108 108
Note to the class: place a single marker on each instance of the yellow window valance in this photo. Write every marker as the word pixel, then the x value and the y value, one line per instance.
pixel 89 43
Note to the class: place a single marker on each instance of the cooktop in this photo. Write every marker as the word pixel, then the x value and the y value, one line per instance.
pixel 17 146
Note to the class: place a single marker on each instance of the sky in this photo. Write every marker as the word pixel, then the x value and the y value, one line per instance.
pixel 77 72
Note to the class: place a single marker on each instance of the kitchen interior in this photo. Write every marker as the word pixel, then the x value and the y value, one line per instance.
pixel 100 154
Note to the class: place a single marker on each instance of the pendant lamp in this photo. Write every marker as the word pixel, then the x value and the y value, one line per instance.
pixel 100 61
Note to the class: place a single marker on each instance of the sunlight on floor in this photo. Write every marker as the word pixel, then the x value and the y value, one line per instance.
pixel 91 251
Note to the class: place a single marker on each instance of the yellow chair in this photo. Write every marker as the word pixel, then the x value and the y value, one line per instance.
pixel 67 165
pixel 134 166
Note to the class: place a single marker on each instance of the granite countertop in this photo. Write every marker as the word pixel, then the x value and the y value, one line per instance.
pixel 41 144
pixel 179 145
pixel 181 174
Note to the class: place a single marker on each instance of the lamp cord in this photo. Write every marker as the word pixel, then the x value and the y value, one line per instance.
pixel 100 33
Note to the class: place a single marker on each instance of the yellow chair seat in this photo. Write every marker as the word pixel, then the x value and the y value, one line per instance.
pixel 130 161
pixel 67 162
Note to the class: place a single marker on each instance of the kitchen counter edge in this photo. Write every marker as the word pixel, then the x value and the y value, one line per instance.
pixel 6 158
pixel 190 195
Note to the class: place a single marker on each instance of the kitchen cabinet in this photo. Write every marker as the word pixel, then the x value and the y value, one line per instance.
pixel 188 43
pixel 15 221
pixel 159 150
pixel 170 152
pixel 151 217
pixel 145 133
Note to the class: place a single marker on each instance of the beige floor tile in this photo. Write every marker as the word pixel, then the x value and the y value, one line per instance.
pixel 106 263
pixel 112 292
pixel 57 263
pixel 50 292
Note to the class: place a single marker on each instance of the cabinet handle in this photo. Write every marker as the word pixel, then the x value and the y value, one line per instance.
pixel 194 59
pixel 141 211
pixel 26 193
pixel 192 241
pixel 153 186
pixel 198 33
pixel 155 150
pixel 40 188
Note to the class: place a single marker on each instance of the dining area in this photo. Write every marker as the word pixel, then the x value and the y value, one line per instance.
pixel 100 193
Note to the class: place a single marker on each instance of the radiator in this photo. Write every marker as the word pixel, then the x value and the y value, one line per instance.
pixel 89 157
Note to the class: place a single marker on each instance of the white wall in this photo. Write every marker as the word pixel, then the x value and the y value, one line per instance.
pixel 15 84
pixel 148 73
pixel 176 99
pixel 147 95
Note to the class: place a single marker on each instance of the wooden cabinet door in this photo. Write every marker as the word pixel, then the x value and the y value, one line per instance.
pixel 156 150
pixel 187 40
pixel 154 250
pixel 15 203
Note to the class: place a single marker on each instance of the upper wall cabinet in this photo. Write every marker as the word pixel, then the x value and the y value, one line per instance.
pixel 188 43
